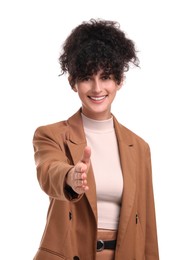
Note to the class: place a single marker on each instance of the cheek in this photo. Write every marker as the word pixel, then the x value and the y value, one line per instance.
pixel 82 95
pixel 114 90
pixel 82 90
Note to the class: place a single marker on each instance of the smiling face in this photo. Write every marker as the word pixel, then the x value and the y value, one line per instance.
pixel 97 93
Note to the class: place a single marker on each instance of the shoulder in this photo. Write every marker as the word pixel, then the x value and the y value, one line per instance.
pixel 52 128
pixel 129 137
pixel 61 129
pixel 132 134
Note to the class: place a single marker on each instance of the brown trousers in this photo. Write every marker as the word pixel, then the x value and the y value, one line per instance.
pixel 104 234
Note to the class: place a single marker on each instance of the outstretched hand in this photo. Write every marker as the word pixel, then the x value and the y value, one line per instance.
pixel 77 176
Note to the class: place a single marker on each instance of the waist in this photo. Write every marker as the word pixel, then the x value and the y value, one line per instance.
pixel 106 239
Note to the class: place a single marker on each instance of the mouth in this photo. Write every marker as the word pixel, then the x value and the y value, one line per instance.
pixel 100 98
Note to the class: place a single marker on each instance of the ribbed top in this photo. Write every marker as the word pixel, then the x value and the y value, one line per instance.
pixel 101 138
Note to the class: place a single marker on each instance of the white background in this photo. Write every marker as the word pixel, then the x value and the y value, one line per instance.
pixel 32 94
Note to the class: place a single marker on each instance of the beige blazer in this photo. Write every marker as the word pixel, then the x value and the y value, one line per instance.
pixel 71 227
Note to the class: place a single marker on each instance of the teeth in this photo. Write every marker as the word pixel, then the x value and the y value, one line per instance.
pixel 97 98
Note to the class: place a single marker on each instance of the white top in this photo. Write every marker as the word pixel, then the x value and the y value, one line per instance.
pixel 105 161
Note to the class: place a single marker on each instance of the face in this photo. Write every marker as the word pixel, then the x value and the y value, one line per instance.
pixel 97 93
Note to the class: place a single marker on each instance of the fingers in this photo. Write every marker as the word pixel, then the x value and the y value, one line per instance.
pixel 77 176
pixel 79 182
pixel 81 170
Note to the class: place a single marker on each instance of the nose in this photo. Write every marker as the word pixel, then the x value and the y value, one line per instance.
pixel 96 86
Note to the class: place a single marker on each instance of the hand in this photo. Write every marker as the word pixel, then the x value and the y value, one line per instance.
pixel 77 176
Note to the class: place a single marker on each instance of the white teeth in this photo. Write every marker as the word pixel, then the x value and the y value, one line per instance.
pixel 98 98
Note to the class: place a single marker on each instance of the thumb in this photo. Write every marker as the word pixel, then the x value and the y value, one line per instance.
pixel 86 155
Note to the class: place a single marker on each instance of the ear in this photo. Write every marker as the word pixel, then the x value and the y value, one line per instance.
pixel 119 86
pixel 72 86
pixel 75 88
pixel 121 83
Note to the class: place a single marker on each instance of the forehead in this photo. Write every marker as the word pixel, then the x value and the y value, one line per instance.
pixel 101 72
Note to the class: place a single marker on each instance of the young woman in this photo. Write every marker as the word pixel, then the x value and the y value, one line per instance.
pixel 96 172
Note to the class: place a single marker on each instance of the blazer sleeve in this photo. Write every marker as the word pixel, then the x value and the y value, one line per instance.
pixel 52 164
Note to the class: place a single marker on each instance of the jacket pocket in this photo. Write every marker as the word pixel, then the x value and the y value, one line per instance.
pixel 46 254
pixel 139 240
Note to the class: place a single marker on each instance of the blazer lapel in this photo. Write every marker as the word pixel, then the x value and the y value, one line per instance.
pixel 128 165
pixel 76 143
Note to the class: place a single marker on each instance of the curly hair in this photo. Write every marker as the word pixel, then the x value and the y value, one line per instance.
pixel 97 45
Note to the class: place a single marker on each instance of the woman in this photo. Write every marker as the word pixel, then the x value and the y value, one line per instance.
pixel 96 172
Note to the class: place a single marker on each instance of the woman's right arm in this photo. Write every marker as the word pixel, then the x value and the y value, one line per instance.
pixel 56 175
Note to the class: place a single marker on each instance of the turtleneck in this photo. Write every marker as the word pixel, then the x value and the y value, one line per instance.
pixel 101 137
pixel 98 126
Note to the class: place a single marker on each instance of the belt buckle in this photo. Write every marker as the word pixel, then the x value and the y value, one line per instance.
pixel 101 245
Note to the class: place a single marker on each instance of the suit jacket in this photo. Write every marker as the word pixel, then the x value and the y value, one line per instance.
pixel 71 227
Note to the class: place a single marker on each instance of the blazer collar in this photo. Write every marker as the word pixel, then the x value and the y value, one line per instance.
pixel 76 131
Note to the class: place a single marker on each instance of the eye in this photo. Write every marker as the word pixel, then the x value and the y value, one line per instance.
pixel 106 77
pixel 87 78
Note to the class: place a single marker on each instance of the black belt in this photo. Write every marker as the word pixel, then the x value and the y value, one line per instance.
pixel 110 244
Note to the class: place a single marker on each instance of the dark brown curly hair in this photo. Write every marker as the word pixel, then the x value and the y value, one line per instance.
pixel 97 45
